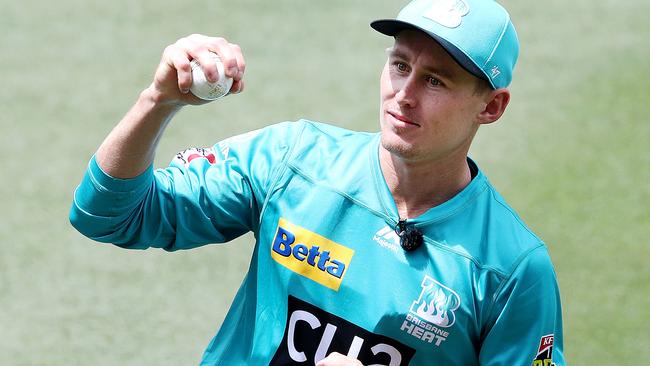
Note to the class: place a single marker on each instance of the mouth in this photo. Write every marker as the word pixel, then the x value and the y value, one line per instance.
pixel 401 120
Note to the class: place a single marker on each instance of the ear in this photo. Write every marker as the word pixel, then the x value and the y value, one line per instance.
pixel 496 103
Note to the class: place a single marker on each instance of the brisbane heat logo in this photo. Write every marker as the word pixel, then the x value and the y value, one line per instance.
pixel 310 255
pixel 436 303
pixel 432 312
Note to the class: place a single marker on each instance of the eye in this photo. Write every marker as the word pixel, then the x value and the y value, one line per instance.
pixel 400 67
pixel 433 81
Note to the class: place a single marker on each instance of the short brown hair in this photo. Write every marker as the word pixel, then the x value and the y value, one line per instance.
pixel 482 86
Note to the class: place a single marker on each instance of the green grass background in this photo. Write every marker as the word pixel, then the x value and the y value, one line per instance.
pixel 571 155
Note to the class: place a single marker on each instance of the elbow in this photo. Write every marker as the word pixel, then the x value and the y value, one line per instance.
pixel 92 225
pixel 105 229
pixel 84 222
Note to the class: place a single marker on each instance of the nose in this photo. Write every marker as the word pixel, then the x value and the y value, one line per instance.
pixel 406 93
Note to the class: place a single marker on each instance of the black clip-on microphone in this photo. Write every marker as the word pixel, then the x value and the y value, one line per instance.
pixel 410 238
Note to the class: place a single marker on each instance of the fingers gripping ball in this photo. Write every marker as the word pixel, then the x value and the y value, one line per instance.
pixel 206 90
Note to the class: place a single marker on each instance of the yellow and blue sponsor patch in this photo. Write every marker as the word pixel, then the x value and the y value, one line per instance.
pixel 310 255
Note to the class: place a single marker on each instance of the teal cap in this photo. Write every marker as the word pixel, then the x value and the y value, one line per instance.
pixel 478 34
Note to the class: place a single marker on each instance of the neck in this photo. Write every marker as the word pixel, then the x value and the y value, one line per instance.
pixel 417 186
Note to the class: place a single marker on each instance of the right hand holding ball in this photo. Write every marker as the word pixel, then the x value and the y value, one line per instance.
pixel 206 90
pixel 197 69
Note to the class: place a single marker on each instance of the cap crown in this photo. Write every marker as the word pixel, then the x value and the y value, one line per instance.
pixel 477 33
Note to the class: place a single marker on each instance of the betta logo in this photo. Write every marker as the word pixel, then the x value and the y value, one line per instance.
pixel 310 255
pixel 436 303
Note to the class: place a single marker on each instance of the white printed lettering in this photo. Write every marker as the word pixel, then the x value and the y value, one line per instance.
pixel 295 317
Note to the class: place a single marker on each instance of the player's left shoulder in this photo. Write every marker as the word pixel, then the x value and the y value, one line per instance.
pixel 513 239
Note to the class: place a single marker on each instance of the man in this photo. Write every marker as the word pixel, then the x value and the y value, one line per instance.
pixel 388 248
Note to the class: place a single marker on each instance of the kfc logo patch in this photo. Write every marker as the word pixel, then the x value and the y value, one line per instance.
pixel 545 352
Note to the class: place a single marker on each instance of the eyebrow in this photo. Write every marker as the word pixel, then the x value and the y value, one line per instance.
pixel 394 52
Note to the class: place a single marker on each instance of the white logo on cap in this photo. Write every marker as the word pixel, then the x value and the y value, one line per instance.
pixel 495 72
pixel 448 13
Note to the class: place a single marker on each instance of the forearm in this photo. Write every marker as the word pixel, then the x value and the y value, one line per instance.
pixel 120 200
pixel 130 147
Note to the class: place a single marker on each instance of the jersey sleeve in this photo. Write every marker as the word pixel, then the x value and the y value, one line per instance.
pixel 207 195
pixel 526 326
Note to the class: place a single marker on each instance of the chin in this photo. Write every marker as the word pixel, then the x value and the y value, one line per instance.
pixel 399 147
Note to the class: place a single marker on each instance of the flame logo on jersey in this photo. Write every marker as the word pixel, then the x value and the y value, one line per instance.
pixel 436 303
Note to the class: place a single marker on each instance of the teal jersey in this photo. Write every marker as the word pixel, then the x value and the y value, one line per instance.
pixel 327 271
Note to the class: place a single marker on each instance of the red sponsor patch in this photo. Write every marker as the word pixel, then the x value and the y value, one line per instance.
pixel 186 156
pixel 211 158
pixel 545 343
pixel 545 351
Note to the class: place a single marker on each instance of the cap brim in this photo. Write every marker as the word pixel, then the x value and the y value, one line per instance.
pixel 392 27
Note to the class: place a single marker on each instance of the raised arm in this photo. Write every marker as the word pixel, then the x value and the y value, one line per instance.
pixel 121 200
pixel 130 147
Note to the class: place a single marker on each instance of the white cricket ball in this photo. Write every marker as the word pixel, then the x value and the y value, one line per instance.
pixel 206 90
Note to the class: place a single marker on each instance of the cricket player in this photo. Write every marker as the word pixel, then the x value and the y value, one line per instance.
pixel 388 248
